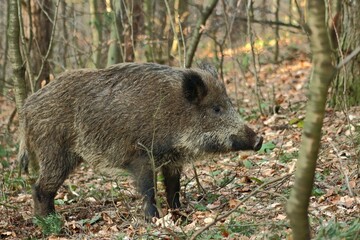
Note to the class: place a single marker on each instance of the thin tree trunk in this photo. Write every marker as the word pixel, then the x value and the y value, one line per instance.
pixel 16 60
pixel 65 33
pixel 322 75
pixel 41 20
pixel 3 70
pixel 156 28
pixel 180 9
pixel 198 32
pixel 115 53
pixel 96 26
pixel 277 35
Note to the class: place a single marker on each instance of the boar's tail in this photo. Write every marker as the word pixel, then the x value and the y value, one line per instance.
pixel 23 157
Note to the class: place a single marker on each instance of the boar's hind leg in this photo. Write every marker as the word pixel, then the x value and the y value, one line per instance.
pixel 53 172
pixel 144 177
pixel 172 185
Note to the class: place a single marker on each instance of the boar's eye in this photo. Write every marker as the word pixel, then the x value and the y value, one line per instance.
pixel 217 109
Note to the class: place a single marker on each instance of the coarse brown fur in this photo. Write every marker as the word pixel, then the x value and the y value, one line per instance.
pixel 124 116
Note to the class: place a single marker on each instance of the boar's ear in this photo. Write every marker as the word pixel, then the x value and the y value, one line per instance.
pixel 194 87
pixel 209 68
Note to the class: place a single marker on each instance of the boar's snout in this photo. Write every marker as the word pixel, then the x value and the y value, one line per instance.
pixel 258 143
pixel 247 141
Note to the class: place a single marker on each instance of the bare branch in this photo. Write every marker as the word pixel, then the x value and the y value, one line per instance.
pixel 348 58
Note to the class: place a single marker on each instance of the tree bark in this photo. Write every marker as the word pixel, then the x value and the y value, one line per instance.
pixel 177 46
pixel 197 32
pixel 127 25
pixel 3 70
pixel 346 25
pixel 96 27
pixel 15 57
pixel 156 30
pixel 115 53
pixel 277 34
pixel 322 75
pixel 38 28
pixel 64 51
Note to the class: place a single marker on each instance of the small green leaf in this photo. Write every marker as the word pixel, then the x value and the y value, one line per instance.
pixel 318 192
pixel 248 164
pixel 267 147
pixel 294 121
pixel 94 219
pixel 59 202
pixel 300 124
pixel 259 181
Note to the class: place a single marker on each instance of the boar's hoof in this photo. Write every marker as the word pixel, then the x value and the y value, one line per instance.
pixel 150 212
pixel 258 143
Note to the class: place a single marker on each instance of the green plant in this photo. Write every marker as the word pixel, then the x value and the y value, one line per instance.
pixel 5 153
pixel 51 224
pixel 200 207
pixel 245 228
pixel 267 147
pixel 317 192
pixel 287 157
pixel 248 164
pixel 254 114
pixel 340 230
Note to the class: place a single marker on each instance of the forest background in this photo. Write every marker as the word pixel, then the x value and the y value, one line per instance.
pixel 262 52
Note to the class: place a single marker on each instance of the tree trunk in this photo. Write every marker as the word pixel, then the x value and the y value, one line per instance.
pixel 38 28
pixel 3 69
pixel 346 90
pixel 135 20
pixel 277 34
pixel 156 29
pixel 322 75
pixel 127 25
pixel 96 28
pixel 15 57
pixel 115 52
pixel 177 46
pixel 197 32
pixel 64 51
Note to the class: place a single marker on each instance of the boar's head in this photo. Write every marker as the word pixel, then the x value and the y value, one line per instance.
pixel 216 127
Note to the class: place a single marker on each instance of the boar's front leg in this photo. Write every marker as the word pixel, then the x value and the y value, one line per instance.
pixel 144 177
pixel 172 185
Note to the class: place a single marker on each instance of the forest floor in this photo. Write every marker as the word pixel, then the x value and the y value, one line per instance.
pixel 253 186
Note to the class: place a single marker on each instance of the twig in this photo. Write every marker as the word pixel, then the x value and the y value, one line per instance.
pixel 225 215
pixel 11 118
pixel 249 12
pixel 183 42
pixel 277 23
pixel 174 30
pixel 348 58
pixel 200 187
pixel 341 167
pixel 198 31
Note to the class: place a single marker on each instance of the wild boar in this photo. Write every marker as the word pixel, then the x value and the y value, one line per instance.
pixel 138 117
